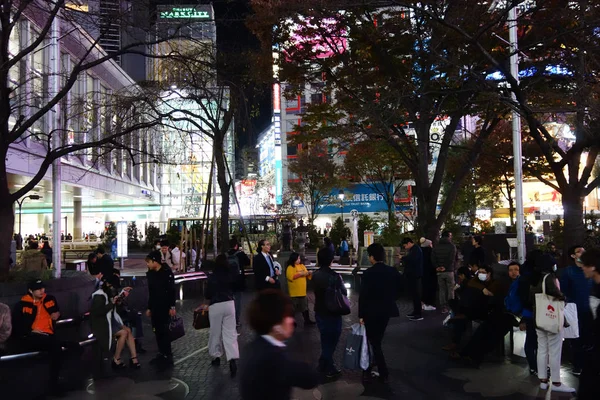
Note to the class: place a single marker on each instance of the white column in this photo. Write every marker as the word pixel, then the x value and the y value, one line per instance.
pixel 53 126
pixel 516 132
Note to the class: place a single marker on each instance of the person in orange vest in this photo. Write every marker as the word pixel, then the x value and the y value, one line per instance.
pixel 34 317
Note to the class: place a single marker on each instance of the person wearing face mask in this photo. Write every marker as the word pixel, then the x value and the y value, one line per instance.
pixel 577 288
pixel 500 320
pixel 266 371
pixel 482 295
pixel 589 389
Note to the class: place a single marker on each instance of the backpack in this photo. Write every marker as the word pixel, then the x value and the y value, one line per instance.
pixel 234 265
pixel 233 260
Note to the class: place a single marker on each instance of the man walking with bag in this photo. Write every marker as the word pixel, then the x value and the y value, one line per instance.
pixel 161 305
pixel 379 290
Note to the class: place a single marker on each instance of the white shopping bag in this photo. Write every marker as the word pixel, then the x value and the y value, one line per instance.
pixel 365 353
pixel 549 313
pixel 572 331
pixel 519 342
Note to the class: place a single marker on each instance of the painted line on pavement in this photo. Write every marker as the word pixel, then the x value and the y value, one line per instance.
pixel 190 355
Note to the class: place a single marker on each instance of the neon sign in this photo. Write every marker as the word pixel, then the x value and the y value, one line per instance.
pixel 184 13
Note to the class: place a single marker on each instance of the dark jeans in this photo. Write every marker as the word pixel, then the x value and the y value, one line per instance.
pixel 530 343
pixel 415 288
pixel 375 330
pixel 488 335
pixel 50 344
pixel 160 326
pixel 330 328
pixel 459 327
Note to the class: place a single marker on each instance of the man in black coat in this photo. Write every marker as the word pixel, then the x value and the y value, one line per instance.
pixel 379 289
pixel 265 273
pixel 106 265
pixel 239 260
pixel 413 272
pixel 161 305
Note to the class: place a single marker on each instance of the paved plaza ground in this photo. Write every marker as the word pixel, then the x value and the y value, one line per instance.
pixel 419 369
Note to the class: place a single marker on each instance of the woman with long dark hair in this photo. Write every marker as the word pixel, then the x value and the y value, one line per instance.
pixel 221 314
pixel 106 324
pixel 297 274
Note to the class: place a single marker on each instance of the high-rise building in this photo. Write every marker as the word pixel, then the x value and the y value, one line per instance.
pixel 191 87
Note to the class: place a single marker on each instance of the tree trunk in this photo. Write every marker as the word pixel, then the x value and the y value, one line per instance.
pixel 7 220
pixel 427 223
pixel 225 199
pixel 574 228
pixel 511 205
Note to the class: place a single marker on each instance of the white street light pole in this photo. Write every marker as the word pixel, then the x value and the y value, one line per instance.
pixel 54 121
pixel 516 135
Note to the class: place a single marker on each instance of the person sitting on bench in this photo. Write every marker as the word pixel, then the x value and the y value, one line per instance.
pixel 34 317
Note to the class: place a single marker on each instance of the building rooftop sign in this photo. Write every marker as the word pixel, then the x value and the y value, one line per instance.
pixel 183 13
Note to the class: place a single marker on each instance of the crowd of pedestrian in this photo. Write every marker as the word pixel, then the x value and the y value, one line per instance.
pixel 490 301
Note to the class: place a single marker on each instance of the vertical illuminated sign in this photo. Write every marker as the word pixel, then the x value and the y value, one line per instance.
pixel 276 99
pixel 278 162
pixel 122 239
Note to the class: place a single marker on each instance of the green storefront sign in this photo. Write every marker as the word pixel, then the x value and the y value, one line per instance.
pixel 184 13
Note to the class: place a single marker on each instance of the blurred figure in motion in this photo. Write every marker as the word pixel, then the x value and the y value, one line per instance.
pixel 266 372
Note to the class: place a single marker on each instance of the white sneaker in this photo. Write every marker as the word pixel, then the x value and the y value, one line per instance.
pixel 562 388
pixel 428 308
pixel 543 385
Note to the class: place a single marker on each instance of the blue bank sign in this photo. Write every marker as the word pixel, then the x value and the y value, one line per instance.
pixel 357 197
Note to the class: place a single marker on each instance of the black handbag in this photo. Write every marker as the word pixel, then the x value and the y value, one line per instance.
pixel 176 329
pixel 335 300
pixel 201 320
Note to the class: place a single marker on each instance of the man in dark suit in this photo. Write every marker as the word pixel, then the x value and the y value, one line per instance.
pixel 379 289
pixel 265 273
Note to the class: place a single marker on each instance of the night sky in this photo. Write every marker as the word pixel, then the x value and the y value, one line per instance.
pixel 233 33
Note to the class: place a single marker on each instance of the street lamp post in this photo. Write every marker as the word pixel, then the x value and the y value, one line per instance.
pixel 341 197
pixel 20 203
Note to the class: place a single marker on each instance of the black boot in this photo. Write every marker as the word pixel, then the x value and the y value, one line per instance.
pixel 307 320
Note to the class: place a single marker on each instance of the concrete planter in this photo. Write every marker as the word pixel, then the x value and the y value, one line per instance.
pixel 72 292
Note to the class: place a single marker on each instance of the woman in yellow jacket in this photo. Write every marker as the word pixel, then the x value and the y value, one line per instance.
pixel 296 274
